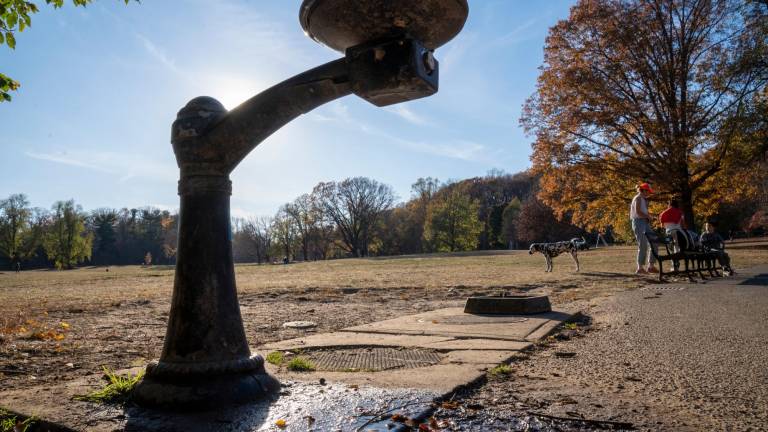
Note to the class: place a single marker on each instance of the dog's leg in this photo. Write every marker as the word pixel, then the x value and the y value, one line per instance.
pixel 575 257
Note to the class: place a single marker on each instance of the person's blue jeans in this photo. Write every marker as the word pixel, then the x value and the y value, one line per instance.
pixel 640 227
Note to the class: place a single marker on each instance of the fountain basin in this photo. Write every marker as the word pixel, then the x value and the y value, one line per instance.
pixel 340 24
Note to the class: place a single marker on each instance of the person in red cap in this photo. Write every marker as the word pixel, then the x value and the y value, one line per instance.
pixel 641 223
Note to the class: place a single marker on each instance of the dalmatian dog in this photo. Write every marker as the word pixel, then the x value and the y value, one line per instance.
pixel 551 250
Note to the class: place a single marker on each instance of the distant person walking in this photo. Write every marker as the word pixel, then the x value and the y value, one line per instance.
pixel 16 263
pixel 641 224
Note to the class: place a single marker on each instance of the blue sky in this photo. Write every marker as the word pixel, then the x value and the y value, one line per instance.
pixel 101 86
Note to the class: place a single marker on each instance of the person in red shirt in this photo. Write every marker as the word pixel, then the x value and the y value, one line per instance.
pixel 672 218
pixel 673 221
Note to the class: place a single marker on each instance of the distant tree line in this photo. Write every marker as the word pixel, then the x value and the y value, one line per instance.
pixel 66 236
pixel 355 217
pixel 359 217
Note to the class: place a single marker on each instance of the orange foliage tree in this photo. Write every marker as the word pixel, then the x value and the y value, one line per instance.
pixel 654 90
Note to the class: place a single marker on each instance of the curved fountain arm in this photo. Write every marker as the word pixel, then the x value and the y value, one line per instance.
pixel 247 125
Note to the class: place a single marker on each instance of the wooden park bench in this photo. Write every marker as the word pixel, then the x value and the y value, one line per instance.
pixel 682 250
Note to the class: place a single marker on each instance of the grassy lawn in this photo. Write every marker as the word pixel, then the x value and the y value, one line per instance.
pixel 88 319
pixel 93 287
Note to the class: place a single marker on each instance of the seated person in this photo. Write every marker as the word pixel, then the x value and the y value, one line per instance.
pixel 673 221
pixel 712 241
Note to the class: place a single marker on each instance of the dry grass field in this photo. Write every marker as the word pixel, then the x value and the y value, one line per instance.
pixel 62 324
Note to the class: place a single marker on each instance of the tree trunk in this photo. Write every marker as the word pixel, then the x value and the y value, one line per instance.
pixel 686 205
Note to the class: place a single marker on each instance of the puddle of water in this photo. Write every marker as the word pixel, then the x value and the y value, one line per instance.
pixel 303 407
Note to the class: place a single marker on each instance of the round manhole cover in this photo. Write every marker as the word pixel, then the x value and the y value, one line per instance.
pixel 372 359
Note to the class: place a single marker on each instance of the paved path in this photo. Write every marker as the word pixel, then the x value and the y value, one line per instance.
pixel 682 357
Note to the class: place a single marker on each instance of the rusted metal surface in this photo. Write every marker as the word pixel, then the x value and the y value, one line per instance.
pixel 341 24
pixel 523 304
pixel 372 359
pixel 206 362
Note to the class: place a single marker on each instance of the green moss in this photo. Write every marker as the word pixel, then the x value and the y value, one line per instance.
pixel 501 370
pixel 276 358
pixel 118 389
pixel 300 364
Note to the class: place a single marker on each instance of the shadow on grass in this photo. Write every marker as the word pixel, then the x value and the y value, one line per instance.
pixel 607 274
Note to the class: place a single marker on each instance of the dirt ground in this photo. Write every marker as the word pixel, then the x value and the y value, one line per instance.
pixel 61 325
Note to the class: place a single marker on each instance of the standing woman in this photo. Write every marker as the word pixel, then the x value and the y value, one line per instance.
pixel 641 223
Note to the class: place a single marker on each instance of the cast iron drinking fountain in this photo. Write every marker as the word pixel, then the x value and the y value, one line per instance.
pixel 388 58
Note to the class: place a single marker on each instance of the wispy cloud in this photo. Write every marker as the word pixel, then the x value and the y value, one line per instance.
pixel 454 149
pixel 517 35
pixel 408 114
pixel 157 53
pixel 65 159
pixel 457 149
pixel 335 112
pixel 455 52
pixel 241 213
pixel 123 165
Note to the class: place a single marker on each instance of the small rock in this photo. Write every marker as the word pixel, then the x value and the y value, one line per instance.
pixel 70 365
pixel 322 381
pixel 300 324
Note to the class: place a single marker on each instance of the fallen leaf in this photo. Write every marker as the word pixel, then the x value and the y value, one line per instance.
pixel 64 325
pixel 281 423
pixel 449 405
pixel 399 418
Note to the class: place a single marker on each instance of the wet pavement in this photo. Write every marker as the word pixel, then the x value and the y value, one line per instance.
pixel 300 407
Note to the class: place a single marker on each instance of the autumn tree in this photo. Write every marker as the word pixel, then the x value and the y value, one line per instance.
pixel 307 218
pixel 354 206
pixel 537 223
pixel 67 242
pixel 452 223
pixel 635 90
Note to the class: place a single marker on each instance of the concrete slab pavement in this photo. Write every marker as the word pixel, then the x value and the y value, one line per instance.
pixel 468 346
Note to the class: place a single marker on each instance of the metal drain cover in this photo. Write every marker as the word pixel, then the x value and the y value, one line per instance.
pixel 372 359
pixel 662 288
pixel 468 319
